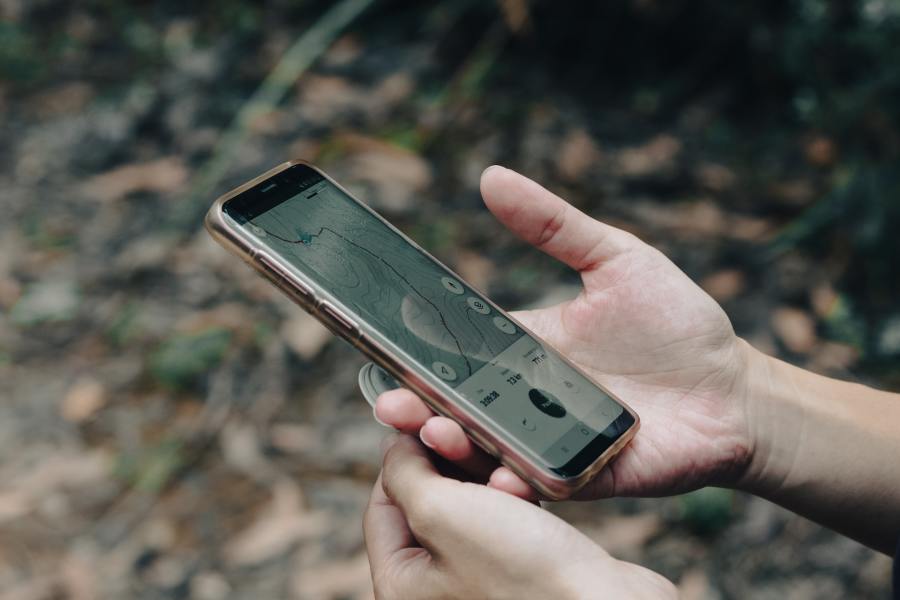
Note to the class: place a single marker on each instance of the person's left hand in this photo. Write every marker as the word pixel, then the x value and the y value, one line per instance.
pixel 429 536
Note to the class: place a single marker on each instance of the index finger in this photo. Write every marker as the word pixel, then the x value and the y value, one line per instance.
pixel 402 410
pixel 384 528
pixel 407 471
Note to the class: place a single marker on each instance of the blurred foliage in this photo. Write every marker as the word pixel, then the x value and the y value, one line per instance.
pixel 46 302
pixel 185 358
pixel 860 217
pixel 778 70
pixel 770 92
pixel 844 324
pixel 441 236
pixel 781 70
pixel 134 35
pixel 152 468
pixel 807 52
pixel 708 510
pixel 123 328
pixel 19 59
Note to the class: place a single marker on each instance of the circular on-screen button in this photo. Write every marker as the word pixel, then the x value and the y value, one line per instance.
pixel 452 285
pixel 443 370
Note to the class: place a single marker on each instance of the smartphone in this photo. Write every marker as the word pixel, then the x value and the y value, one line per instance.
pixel 513 394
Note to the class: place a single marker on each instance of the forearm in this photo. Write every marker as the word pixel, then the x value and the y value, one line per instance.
pixel 826 449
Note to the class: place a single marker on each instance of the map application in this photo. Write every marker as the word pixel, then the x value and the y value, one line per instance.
pixel 383 281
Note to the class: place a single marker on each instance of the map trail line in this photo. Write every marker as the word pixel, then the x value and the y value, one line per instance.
pixel 312 236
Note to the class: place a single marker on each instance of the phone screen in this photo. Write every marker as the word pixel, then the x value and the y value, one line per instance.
pixel 410 300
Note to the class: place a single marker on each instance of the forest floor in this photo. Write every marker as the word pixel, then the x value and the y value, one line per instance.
pixel 171 427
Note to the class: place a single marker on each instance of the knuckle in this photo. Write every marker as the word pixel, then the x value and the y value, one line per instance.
pixel 391 488
pixel 417 509
pixel 551 227
pixel 366 520
pixel 651 583
pixel 391 473
pixel 382 587
pixel 423 511
pixel 665 588
pixel 628 237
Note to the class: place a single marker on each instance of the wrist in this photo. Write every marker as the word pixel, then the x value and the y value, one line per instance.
pixel 823 448
pixel 735 464
pixel 773 418
pixel 606 576
pixel 582 571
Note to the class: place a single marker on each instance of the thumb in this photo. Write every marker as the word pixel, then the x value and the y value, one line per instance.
pixel 548 222
pixel 407 473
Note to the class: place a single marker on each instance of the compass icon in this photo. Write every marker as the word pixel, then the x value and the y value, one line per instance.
pixel 547 403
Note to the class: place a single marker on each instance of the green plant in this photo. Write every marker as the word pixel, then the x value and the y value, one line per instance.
pixel 182 360
pixel 707 510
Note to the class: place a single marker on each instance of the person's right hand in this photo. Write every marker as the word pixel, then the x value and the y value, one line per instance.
pixel 641 328
pixel 430 536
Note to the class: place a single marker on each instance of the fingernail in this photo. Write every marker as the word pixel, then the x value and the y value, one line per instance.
pixel 492 168
pixel 425 437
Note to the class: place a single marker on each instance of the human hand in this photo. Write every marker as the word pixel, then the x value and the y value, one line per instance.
pixel 430 536
pixel 642 329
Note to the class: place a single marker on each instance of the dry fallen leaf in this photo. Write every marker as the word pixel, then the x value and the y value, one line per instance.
pixel 68 98
pixel 304 148
pixel 397 176
pixel 344 51
pixel 14 504
pixel 78 577
pixel 56 474
pixel 323 97
pixel 516 15
pixel 293 439
pixel 305 335
pixel 820 151
pixel 349 578
pixel 794 192
pixel 833 356
pixel 577 154
pixel 241 448
pixel 10 291
pixel 474 268
pixel 824 300
pixel 702 217
pixel 393 89
pixel 269 122
pixel 699 217
pixel 209 585
pixel 277 528
pixel 724 285
pixel 164 175
pixel 149 252
pixel 230 315
pixel 626 532
pixel 83 399
pixel 39 587
pixel 656 156
pixel 715 177
pixel 795 328
pixel 694 585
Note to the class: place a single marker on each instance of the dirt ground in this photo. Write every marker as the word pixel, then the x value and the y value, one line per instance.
pixel 171 427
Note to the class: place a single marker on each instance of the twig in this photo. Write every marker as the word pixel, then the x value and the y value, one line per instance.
pixel 308 47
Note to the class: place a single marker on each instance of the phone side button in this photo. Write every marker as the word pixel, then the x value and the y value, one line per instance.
pixel 289 284
pixel 340 319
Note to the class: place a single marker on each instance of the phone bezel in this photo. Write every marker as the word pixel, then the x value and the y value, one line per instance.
pixel 442 398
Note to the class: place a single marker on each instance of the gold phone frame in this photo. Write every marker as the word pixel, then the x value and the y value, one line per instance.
pixel 327 309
